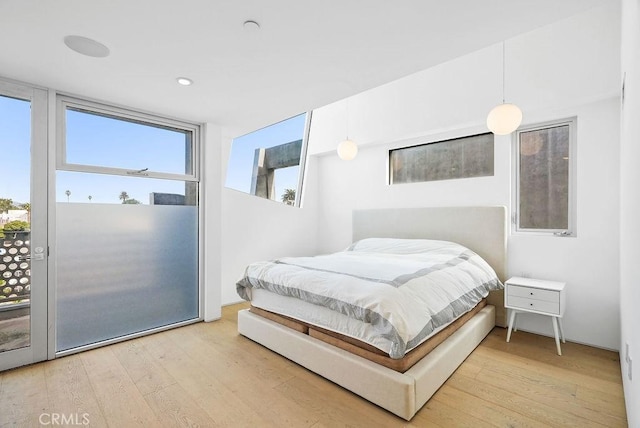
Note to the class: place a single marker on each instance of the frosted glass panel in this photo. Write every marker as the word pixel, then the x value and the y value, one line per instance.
pixel 123 269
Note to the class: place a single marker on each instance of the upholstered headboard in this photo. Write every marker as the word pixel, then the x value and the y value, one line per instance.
pixel 482 229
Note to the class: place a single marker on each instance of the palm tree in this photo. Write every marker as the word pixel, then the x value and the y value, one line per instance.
pixel 68 193
pixel 123 196
pixel 90 197
pixel 289 196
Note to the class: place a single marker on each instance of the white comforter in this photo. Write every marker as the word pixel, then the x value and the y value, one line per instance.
pixel 404 288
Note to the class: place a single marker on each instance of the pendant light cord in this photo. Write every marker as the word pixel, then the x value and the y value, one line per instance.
pixel 503 70
pixel 346 118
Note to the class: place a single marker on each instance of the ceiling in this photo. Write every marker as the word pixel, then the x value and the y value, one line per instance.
pixel 306 53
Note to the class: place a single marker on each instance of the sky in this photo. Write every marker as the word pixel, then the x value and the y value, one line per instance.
pixel 102 141
pixel 240 167
pixel 91 140
pixel 15 134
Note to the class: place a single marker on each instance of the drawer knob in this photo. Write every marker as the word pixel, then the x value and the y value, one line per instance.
pixel 531 294
pixel 530 304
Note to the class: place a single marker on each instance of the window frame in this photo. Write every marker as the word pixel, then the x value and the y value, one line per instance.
pixel 120 113
pixel 571 230
pixel 302 165
pixel 389 162
pixel 303 159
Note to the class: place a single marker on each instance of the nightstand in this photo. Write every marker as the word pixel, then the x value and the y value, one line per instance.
pixel 535 296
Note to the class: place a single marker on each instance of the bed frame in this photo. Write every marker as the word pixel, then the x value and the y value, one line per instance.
pixel 482 229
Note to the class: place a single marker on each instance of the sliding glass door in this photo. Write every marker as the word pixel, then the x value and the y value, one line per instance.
pixel 126 225
pixel 23 225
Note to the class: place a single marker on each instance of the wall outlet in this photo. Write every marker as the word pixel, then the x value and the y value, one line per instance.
pixel 627 357
pixel 525 274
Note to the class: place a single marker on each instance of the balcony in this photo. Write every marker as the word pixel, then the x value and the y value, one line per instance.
pixel 15 290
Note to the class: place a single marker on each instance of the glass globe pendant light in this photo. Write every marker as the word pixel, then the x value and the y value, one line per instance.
pixel 504 118
pixel 347 149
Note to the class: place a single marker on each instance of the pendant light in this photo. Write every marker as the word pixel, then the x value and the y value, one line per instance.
pixel 347 149
pixel 504 118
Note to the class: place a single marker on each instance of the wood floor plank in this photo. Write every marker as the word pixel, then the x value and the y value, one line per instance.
pixel 272 367
pixel 490 412
pixel 252 384
pixel 70 392
pixel 175 408
pixel 549 396
pixel 24 394
pixel 120 400
pixel 469 369
pixel 550 370
pixel 542 413
pixel 573 357
pixel 590 353
pixel 206 374
pixel 532 374
pixel 602 402
pixel 334 405
pixel 319 424
pixel 147 375
pixel 270 371
pixel 220 402
pixel 444 415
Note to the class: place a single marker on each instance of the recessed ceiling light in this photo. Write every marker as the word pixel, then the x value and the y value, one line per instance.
pixel 184 81
pixel 251 26
pixel 86 46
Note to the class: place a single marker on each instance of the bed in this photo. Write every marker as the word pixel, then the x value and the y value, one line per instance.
pixel 402 392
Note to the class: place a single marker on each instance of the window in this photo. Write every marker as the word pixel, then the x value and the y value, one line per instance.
pixel 463 157
pixel 544 178
pixel 127 224
pixel 269 162
pixel 112 141
pixel 111 155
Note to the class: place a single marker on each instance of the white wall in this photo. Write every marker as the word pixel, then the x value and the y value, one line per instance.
pixel 259 229
pixel 630 208
pixel 570 68
pixel 569 63
pixel 211 189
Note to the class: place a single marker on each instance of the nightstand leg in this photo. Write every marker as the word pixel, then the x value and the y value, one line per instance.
pixel 511 319
pixel 515 322
pixel 554 322
pixel 561 329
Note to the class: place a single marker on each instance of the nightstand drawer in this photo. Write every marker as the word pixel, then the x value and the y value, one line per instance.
pixel 534 305
pixel 534 293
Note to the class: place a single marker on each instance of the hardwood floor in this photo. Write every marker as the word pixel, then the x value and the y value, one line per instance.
pixel 207 375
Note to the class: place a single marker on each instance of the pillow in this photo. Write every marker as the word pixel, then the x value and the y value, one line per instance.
pixel 401 246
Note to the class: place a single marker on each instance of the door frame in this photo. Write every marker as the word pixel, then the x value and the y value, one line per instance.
pixel 39 192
